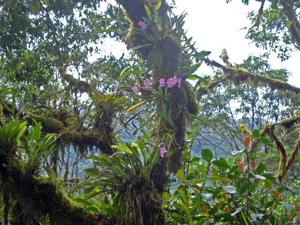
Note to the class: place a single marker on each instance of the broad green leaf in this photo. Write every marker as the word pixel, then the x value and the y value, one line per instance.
pixel 207 155
pixel 124 74
pixel 157 5
pixel 85 202
pixel 92 171
pixel 260 168
pixel 193 77
pixel 122 147
pixel 180 175
pixel 135 107
pixel 145 135
pixel 148 11
pixel 92 209
pixel 221 164
pixel 89 189
pixel 193 68
pixel 203 54
pixel 256 133
pixel 266 141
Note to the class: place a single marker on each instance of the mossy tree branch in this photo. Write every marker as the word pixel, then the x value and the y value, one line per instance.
pixel 239 75
pixel 104 115
pixel 294 154
pixel 285 161
pixel 57 124
pixel 43 198
pixel 35 198
pixel 283 154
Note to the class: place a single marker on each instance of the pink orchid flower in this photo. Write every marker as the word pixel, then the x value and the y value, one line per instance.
pixel 136 89
pixel 162 82
pixel 147 83
pixel 143 26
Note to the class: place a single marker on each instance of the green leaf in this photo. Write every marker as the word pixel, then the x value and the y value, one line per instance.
pixel 92 171
pixel 193 77
pixel 145 135
pixel 135 107
pixel 202 54
pixel 125 73
pixel 268 184
pixel 89 189
pixel 207 155
pixel 266 141
pixel 221 164
pixel 269 176
pixel 92 209
pixel 256 133
pixel 166 196
pixel 84 202
pixel 193 68
pixel 158 5
pixel 22 129
pixel 180 175
pixel 260 168
pixel 148 11
pixel 122 147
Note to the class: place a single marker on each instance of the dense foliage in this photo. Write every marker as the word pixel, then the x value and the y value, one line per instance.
pixel 143 138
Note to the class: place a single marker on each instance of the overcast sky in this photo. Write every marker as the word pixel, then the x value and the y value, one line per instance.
pixel 215 25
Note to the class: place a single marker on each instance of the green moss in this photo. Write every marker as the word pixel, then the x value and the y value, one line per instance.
pixel 290 122
pixel 191 104
pixel 171 51
pixel 43 199
pixel 53 125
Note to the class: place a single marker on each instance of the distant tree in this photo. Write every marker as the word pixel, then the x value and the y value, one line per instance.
pixel 225 108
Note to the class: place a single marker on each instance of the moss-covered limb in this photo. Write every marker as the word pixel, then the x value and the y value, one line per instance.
pixel 65 125
pixel 87 138
pixel 289 122
pixel 293 23
pixel 283 154
pixel 285 162
pixel 106 106
pixel 44 199
pixel 81 137
pixel 238 75
pixel 294 154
